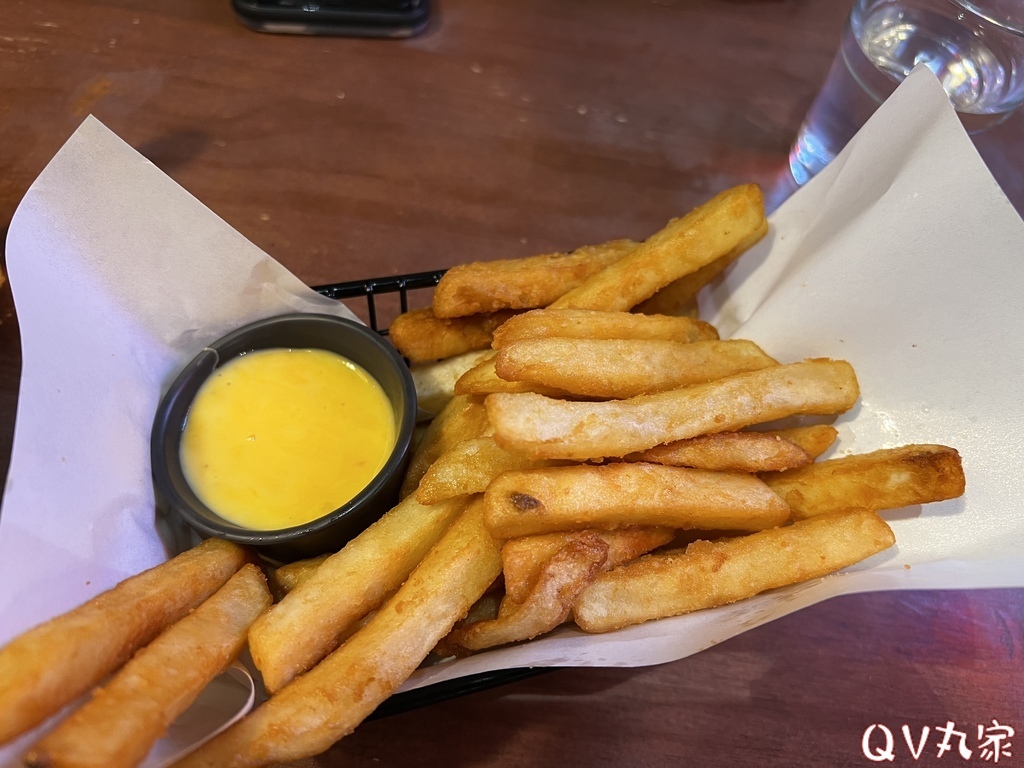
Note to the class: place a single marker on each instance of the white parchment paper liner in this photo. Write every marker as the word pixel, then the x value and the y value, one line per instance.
pixel 902 257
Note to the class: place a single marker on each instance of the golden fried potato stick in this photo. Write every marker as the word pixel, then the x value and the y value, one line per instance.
pixel 543 428
pixel 615 368
pixel 329 701
pixel 594 324
pixel 483 379
pixel 484 609
pixel 312 619
pixel 622 495
pixel 678 296
pixel 522 559
pixel 463 418
pixel 683 246
pixel 687 309
pixel 535 281
pixel 729 452
pixel 285 578
pixel 815 439
pixel 39 674
pixel 422 338
pixel 709 574
pixel 117 727
pixel 468 467
pixel 435 382
pixel 886 479
pixel 560 581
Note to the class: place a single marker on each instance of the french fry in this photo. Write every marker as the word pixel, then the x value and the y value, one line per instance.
pixel 560 581
pixel 522 559
pixel 544 428
pixel 463 418
pixel 688 309
pixel 422 338
pixel 483 379
pixel 709 574
pixel 594 324
pixel 329 701
pixel 683 246
pixel 729 452
pixel 38 674
pixel 468 467
pixel 484 609
pixel 621 495
pixel 117 727
pixel 311 620
pixel 435 382
pixel 886 479
pixel 815 439
pixel 285 578
pixel 535 281
pixel 680 294
pixel 623 369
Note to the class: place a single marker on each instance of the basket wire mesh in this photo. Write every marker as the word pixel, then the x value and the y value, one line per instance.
pixel 377 286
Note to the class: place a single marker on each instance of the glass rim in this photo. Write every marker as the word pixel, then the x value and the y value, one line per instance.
pixel 1009 16
pixel 1005 15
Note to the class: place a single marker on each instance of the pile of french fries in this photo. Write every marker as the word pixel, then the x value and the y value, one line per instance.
pixel 598 455
pixel 160 636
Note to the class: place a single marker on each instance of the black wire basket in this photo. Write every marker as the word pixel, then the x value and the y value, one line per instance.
pixel 379 286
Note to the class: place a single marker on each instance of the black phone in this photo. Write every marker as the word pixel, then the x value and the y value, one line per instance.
pixel 356 18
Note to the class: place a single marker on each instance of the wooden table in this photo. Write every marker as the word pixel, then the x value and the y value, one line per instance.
pixel 511 129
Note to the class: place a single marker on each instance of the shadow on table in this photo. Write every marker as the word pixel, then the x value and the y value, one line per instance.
pixel 10 363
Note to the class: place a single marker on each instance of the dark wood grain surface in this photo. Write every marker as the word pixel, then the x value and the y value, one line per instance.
pixel 510 129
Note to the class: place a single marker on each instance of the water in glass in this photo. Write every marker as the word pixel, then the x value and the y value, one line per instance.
pixel 978 57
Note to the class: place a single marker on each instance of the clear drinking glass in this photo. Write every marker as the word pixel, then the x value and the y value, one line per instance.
pixel 974 47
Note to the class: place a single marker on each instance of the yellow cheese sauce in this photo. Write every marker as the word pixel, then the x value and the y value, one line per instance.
pixel 279 437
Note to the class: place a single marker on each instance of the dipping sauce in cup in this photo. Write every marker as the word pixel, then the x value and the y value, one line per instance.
pixel 278 437
pixel 290 435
